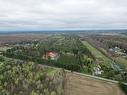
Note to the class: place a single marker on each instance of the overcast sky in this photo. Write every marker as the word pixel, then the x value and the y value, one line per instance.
pixel 62 14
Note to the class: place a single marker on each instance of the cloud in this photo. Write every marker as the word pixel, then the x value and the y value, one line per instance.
pixel 63 14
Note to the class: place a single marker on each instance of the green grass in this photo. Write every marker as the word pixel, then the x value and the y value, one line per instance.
pixel 68 59
pixel 121 61
pixel 96 53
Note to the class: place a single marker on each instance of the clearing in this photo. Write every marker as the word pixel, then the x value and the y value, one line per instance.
pixel 121 61
pixel 96 53
pixel 83 85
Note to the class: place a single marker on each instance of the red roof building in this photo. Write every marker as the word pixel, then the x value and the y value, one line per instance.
pixel 52 55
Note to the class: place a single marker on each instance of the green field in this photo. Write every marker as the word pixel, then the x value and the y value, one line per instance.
pixel 121 61
pixel 96 53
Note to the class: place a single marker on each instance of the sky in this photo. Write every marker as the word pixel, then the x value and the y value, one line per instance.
pixel 62 14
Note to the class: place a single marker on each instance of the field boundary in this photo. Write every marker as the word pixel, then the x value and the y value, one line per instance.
pixel 95 77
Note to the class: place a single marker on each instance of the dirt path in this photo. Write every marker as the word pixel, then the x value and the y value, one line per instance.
pixel 82 85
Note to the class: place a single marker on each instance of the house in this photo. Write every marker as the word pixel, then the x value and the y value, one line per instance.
pixel 52 55
pixel 118 51
pixel 98 70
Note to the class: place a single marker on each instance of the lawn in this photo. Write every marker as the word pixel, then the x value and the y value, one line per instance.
pixel 96 53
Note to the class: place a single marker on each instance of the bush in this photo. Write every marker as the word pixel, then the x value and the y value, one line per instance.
pixel 1 59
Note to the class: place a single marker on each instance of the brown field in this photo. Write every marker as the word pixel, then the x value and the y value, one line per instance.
pixel 82 85
pixel 20 37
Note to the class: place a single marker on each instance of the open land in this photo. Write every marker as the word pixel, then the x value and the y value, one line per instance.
pixel 83 85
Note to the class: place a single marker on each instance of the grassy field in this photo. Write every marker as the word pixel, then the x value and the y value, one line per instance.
pixel 96 53
pixel 82 85
pixel 121 61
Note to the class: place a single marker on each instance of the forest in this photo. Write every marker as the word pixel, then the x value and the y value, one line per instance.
pixel 28 78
